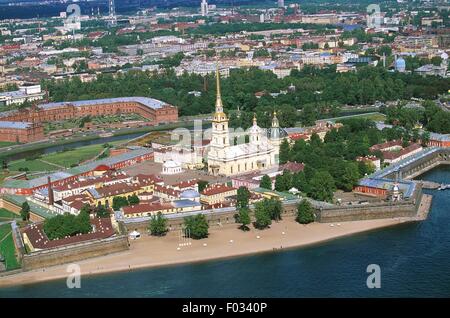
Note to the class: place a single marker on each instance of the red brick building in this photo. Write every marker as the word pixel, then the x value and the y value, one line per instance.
pixel 14 131
pixel 154 110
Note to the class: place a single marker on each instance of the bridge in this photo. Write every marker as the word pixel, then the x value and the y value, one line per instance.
pixel 415 165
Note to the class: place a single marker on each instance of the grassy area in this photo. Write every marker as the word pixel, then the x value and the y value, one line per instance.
pixel 72 157
pixel 65 159
pixel 7 248
pixel 96 120
pixel 6 215
pixel 374 117
pixel 32 165
pixel 6 143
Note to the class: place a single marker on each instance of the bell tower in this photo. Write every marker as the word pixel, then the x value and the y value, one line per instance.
pixel 275 138
pixel 220 137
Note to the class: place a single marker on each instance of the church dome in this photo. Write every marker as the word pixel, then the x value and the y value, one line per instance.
pixel 255 129
pixel 170 164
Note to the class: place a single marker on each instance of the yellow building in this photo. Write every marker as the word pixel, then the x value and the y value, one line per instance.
pixel 105 195
pixel 217 194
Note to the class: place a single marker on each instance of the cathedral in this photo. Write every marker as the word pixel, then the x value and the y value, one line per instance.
pixel 260 153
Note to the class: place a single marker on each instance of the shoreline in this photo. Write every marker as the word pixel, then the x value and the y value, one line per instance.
pixel 225 243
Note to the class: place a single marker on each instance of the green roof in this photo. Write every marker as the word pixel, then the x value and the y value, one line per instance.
pixel 285 195
pixel 36 209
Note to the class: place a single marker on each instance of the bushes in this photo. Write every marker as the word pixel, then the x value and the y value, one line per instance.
pixel 196 226
pixel 158 225
pixel 305 212
pixel 67 224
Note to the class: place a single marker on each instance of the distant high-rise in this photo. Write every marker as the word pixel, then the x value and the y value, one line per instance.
pixel 112 12
pixel 280 3
pixel 204 8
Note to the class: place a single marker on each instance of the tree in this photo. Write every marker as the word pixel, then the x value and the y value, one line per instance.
pixel 322 186
pixel 119 202
pixel 425 138
pixel 25 211
pixel 101 211
pixel 158 225
pixel 284 151
pixel 280 184
pixel 305 212
pixel 243 217
pixel 65 225
pixel 86 208
pixel 266 182
pixel 133 199
pixel 202 185
pixel 274 208
pixel 262 216
pixel 243 196
pixel 196 226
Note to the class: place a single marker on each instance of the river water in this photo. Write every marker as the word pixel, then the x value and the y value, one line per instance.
pixel 414 259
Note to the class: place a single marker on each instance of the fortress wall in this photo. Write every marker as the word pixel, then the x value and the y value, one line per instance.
pixel 74 253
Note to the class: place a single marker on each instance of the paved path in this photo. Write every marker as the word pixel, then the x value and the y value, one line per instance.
pixel 52 164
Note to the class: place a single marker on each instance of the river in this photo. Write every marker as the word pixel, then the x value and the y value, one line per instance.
pixel 414 259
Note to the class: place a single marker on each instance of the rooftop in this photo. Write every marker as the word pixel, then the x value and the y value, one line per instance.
pixel 38 238
pixel 146 101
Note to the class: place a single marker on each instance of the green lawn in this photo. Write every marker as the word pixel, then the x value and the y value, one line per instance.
pixel 6 215
pixel 75 122
pixel 65 159
pixel 32 165
pixel 68 158
pixel 6 143
pixel 7 248
pixel 374 117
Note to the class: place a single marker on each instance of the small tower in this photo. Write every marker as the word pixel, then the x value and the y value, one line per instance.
pixel 51 198
pixel 220 139
pixel 396 194
pixel 275 138
pixel 255 132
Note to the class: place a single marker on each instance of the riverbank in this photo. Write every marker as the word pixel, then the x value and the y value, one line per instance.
pixel 222 243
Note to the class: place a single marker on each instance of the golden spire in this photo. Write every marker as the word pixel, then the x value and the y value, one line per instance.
pixel 275 123
pixel 254 119
pixel 219 104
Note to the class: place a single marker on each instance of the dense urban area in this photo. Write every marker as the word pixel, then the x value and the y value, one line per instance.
pixel 166 123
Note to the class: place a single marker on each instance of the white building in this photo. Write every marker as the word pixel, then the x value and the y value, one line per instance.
pixel 171 167
pixel 25 93
pixel 224 159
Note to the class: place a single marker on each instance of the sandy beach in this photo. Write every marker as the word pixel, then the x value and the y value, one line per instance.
pixel 222 243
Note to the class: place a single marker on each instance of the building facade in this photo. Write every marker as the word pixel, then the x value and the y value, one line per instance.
pixel 224 159
pixel 31 129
